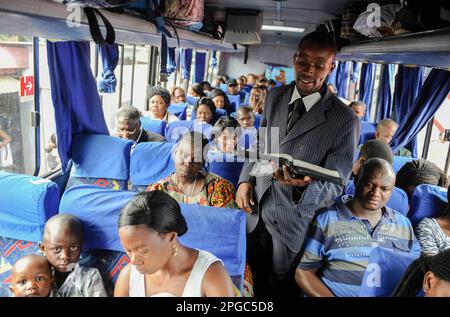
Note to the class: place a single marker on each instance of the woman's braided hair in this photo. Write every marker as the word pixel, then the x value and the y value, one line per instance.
pixel 412 281
pixel 419 172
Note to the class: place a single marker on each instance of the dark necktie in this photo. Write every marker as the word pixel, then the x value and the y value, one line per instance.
pixel 296 113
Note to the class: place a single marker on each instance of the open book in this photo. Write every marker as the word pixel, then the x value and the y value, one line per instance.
pixel 298 168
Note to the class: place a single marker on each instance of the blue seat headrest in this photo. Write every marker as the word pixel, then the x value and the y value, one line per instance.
pixel 176 129
pixel 101 156
pixel 221 231
pixel 399 161
pixel 150 162
pixel 226 166
pixel 398 200
pixel 368 130
pixel 25 205
pixel 178 109
pixel 224 88
pixel 235 102
pixel 427 201
pixel 153 125
pixel 192 100
pixel 384 271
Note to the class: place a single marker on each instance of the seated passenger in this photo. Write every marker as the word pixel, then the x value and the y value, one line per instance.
pixel 359 108
pixel 226 133
pixel 32 277
pixel 206 86
pixel 418 172
pixel 232 87
pixel 262 82
pixel 342 235
pixel 129 127
pixel 372 149
pixel 61 244
pixel 385 131
pixel 220 100
pixel 204 110
pixel 271 84
pixel 257 99
pixel 434 233
pixel 177 95
pixel 245 117
pixel 428 273
pixel 217 81
pixel 158 103
pixel 242 81
pixel 196 90
pixel 149 227
pixel 251 79
pixel 191 183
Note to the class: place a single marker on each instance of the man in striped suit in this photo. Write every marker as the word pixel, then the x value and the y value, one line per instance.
pixel 316 127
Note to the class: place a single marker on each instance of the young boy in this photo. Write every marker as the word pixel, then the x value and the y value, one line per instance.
pixel 245 117
pixel 61 245
pixel 32 277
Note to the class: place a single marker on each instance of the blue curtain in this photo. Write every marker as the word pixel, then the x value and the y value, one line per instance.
pixel 408 82
pixel 366 84
pixel 430 98
pixel 74 94
pixel 186 61
pixel 171 60
pixel 107 81
pixel 200 60
pixel 342 79
pixel 385 93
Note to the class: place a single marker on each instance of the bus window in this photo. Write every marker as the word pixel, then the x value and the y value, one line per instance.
pixel 141 71
pixel 438 148
pixel 17 138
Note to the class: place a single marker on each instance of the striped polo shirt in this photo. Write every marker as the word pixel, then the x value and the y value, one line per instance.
pixel 339 245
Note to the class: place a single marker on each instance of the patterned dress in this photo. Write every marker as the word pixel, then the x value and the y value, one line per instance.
pixel 217 192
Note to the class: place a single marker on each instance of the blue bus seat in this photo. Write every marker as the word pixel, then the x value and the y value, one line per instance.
pixel 224 88
pixel 150 162
pixel 176 129
pixel 246 99
pixel 398 200
pixel 178 109
pixel 25 205
pixel 235 102
pixel 427 201
pixel 248 88
pixel 227 166
pixel 257 120
pixel 153 125
pixel 191 100
pixel 399 161
pixel 101 160
pixel 368 130
pixel 384 272
pixel 220 231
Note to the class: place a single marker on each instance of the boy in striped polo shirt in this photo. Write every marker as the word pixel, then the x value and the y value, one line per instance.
pixel 342 236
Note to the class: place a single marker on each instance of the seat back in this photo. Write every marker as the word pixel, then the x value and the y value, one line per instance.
pixel 235 102
pixel 192 100
pixel 399 161
pixel 153 125
pixel 224 88
pixel 226 166
pixel 176 129
pixel 248 138
pixel 398 200
pixel 258 118
pixel 220 231
pixel 368 130
pixel 178 109
pixel 427 201
pixel 384 272
pixel 150 162
pixel 25 205
pixel 101 160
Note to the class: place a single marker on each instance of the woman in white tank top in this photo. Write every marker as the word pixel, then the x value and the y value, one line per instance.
pixel 149 227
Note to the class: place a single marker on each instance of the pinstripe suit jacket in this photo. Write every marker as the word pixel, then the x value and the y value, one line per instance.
pixel 327 135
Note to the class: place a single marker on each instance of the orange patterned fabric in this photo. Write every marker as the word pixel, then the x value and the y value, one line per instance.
pixel 217 192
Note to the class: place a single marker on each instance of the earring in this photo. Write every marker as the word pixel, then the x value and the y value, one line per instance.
pixel 174 250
